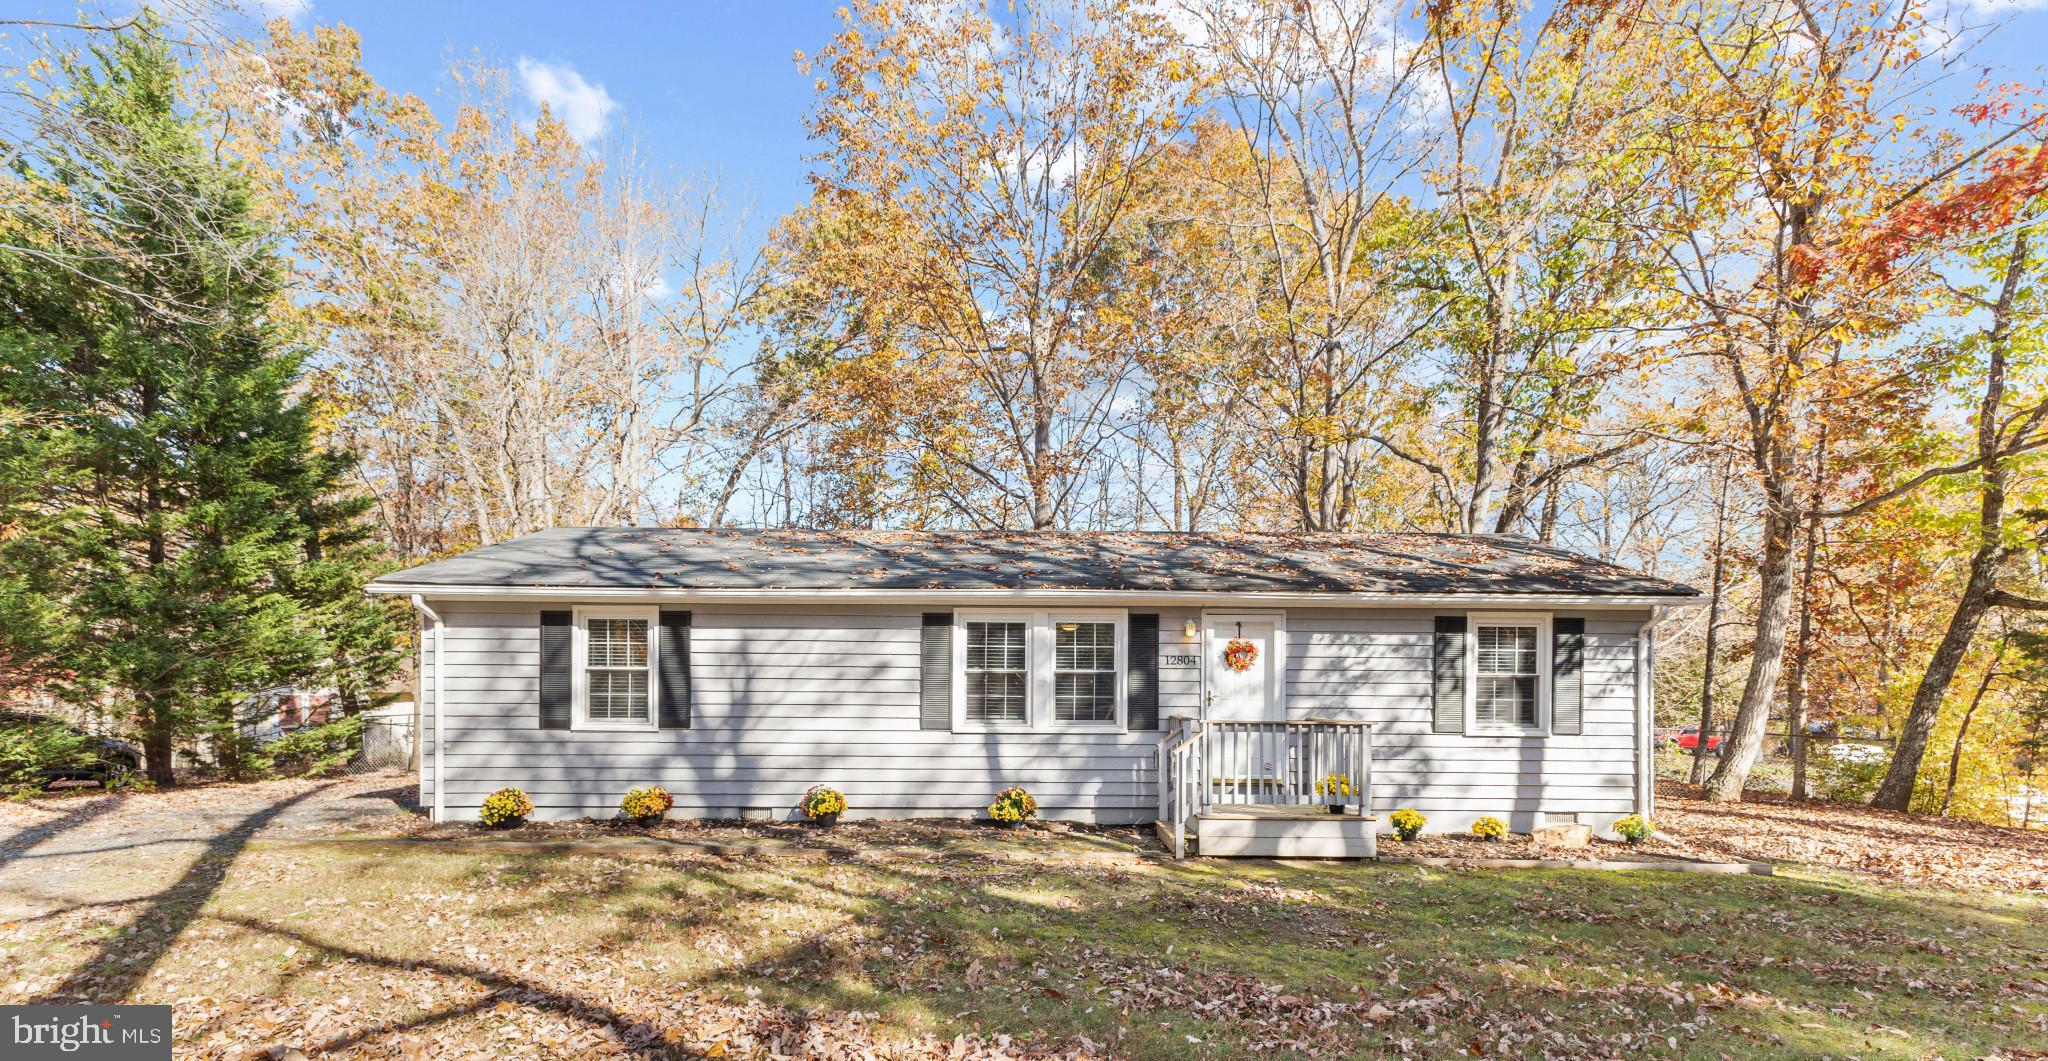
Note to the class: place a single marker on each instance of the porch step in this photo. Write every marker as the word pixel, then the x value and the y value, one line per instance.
pixel 1284 832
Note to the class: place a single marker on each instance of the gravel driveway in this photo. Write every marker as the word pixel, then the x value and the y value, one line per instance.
pixel 90 848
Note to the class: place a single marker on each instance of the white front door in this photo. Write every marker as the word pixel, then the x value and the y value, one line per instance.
pixel 1253 694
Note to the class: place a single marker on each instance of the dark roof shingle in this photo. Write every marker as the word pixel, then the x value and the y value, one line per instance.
pixel 1219 562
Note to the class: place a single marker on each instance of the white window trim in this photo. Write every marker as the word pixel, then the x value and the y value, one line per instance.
pixel 1545 676
pixel 1039 682
pixel 580 671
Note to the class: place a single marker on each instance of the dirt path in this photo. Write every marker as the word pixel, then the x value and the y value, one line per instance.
pixel 97 849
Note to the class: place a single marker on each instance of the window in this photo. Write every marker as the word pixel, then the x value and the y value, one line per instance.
pixel 615 668
pixel 1509 657
pixel 997 680
pixel 1084 672
pixel 1038 670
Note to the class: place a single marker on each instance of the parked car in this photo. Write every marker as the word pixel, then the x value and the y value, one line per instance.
pixel 108 760
pixel 1858 753
pixel 1689 738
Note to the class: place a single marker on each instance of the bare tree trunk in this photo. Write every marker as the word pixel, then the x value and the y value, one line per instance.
pixel 1699 748
pixel 1774 609
pixel 1896 791
pixel 1955 756
pixel 1802 650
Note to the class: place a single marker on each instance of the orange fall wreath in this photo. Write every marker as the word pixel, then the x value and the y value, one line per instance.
pixel 1239 655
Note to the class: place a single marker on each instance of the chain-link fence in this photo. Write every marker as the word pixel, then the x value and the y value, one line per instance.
pixel 386 743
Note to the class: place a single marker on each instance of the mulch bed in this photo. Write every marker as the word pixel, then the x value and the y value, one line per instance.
pixel 922 833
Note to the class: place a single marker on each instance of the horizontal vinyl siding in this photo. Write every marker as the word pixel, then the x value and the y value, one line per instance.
pixel 785 698
pixel 1375 666
pixel 782 699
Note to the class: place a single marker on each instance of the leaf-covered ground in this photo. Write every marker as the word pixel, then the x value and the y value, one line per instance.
pixel 268 943
pixel 1906 848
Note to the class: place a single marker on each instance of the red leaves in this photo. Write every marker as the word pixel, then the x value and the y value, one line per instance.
pixel 2012 176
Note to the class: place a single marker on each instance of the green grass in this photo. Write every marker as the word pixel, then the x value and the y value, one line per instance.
pixel 1199 958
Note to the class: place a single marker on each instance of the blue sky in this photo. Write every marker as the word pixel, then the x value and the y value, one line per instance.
pixel 705 89
pixel 710 89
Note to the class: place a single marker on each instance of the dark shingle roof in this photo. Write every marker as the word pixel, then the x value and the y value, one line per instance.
pixel 979 560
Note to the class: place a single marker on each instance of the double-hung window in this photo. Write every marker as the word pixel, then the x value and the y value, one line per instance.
pixel 1039 670
pixel 1084 671
pixel 614 675
pixel 1508 658
pixel 998 676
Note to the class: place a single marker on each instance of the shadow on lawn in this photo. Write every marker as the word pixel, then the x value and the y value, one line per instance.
pixel 21 843
pixel 1517 947
pixel 642 1039
pixel 122 961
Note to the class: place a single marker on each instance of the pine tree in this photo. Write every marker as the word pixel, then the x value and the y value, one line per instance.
pixel 169 525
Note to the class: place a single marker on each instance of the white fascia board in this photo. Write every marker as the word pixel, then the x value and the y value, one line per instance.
pixel 964 597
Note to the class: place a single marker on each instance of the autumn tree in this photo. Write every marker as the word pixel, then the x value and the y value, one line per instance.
pixel 1776 163
pixel 2011 418
pixel 1334 107
pixel 989 164
pixel 1536 176
pixel 519 330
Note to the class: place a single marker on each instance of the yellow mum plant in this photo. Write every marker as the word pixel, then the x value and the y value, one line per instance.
pixel 1490 828
pixel 505 808
pixel 1407 823
pixel 646 804
pixel 1334 785
pixel 1013 805
pixel 821 802
pixel 1635 828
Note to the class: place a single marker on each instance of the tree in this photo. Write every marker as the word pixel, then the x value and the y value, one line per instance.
pixel 989 168
pixel 2010 345
pixel 1775 174
pixel 1543 273
pixel 1333 107
pixel 169 471
pixel 515 331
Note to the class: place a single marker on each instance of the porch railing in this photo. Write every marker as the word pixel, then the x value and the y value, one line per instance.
pixel 1218 763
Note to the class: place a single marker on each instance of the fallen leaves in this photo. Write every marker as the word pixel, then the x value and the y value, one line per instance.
pixel 1898 848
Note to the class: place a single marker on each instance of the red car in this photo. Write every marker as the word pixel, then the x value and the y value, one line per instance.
pixel 1689 739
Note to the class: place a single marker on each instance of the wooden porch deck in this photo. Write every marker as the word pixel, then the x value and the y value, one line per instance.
pixel 1257 789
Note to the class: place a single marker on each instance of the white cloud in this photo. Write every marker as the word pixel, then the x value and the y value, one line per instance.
pixel 585 109
pixel 293 10
pixel 2005 7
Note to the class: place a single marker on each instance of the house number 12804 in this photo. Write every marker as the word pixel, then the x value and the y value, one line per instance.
pixel 1183 661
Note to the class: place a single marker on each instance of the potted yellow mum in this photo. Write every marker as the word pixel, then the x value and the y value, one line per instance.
pixel 823 805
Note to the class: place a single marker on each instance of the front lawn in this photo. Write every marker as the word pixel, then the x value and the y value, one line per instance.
pixel 416 949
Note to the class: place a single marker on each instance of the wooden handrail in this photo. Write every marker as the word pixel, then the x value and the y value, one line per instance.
pixel 1225 762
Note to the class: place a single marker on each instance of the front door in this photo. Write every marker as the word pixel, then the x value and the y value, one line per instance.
pixel 1252 693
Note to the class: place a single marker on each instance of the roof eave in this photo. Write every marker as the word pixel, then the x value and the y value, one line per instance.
pixel 1184 598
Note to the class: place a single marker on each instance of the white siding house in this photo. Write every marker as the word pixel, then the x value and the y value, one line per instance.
pixel 920 674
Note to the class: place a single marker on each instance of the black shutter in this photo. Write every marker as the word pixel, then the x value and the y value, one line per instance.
pixel 1567 667
pixel 675 670
pixel 555 629
pixel 935 688
pixel 1141 696
pixel 1447 709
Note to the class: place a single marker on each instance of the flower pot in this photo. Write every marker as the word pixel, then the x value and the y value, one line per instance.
pixel 1336 808
pixel 825 821
pixel 648 820
pixel 1000 824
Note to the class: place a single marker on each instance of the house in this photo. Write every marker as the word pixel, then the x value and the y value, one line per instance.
pixel 1203 680
pixel 274 713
